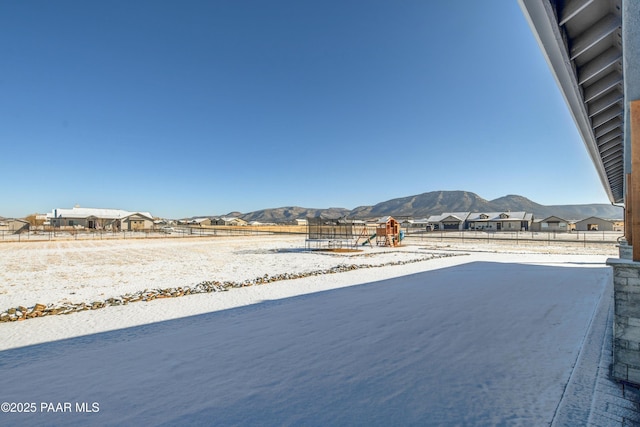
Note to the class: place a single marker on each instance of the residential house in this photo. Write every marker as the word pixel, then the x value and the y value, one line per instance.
pixel 137 221
pixel 594 224
pixel 500 221
pixel 229 221
pixel 552 224
pixel 13 225
pixel 448 221
pixel 100 219
pixel 415 223
pixel 200 222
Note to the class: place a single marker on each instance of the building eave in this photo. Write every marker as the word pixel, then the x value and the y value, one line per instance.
pixel 566 31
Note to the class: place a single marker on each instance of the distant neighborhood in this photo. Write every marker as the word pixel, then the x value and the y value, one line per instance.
pixel 103 219
pixel 115 220
pixel 514 221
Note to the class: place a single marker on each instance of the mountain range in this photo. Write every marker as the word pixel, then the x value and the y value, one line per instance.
pixel 435 203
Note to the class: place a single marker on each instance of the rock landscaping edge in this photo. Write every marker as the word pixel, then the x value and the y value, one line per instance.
pixel 20 313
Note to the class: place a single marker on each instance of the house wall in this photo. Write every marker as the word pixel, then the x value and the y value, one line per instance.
pixel 626 320
pixel 98 223
pixel 511 225
pixel 68 222
pixel 479 225
pixel 504 225
pixel 134 223
pixel 13 226
pixel 554 226
pixel 482 225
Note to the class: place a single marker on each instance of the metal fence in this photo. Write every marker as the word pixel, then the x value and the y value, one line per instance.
pixel 321 231
pixel 580 237
pixel 70 233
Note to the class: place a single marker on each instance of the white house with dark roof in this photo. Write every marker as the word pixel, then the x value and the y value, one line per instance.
pixel 499 221
pixel 100 219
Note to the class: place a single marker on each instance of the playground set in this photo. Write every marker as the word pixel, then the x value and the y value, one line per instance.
pixel 345 233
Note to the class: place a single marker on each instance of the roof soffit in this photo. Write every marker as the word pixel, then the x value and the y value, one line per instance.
pixel 582 42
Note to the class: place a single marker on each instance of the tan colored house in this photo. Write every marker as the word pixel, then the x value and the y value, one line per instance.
pixel 200 222
pixel 228 221
pixel 137 222
pixel 594 224
pixel 551 224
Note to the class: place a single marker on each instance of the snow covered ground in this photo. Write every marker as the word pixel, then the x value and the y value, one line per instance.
pixel 486 338
pixel 58 271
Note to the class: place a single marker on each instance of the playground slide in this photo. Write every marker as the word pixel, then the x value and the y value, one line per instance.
pixel 369 239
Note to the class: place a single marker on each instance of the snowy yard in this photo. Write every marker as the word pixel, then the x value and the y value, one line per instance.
pixel 488 338
pixel 52 272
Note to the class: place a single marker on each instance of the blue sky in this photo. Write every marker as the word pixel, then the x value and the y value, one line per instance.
pixel 206 107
